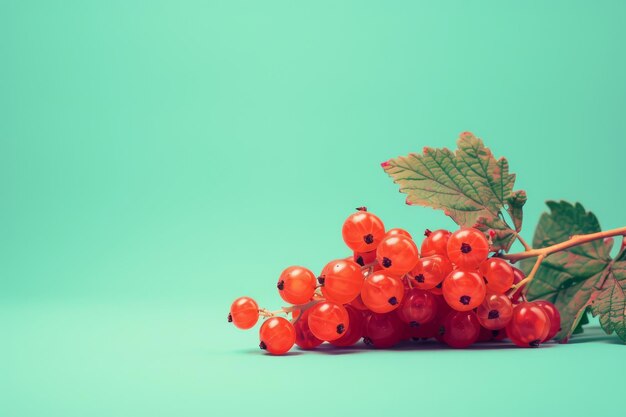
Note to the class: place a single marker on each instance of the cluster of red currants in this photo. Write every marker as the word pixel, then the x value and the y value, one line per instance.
pixel 386 292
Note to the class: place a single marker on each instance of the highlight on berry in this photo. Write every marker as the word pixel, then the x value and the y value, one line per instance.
pixel 387 292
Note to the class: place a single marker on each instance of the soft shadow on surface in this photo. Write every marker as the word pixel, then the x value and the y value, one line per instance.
pixel 595 334
pixel 406 346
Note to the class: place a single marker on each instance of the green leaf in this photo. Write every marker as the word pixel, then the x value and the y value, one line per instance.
pixel 572 278
pixel 584 319
pixel 610 304
pixel 468 184
pixel 515 203
pixel 503 237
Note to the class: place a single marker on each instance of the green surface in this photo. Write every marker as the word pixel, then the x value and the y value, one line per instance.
pixel 159 159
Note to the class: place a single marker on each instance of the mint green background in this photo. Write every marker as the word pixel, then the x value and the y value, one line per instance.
pixel 159 159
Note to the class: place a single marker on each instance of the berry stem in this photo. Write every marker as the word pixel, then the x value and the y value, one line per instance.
pixel 530 276
pixel 573 241
pixel 527 247
pixel 542 253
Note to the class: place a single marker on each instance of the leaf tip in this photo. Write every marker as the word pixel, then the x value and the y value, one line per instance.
pixel 384 164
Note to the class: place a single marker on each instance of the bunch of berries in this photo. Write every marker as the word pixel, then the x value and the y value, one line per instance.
pixel 389 291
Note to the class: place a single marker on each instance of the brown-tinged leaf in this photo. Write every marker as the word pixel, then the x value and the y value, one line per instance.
pixel 468 184
pixel 503 237
pixel 610 304
pixel 514 206
pixel 571 279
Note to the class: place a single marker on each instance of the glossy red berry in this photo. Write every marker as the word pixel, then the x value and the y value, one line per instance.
pixel 382 293
pixel 487 335
pixel 362 231
pixel 460 329
pixel 518 276
pixel 355 330
pixel 397 255
pixel 498 275
pixel 436 243
pixel 430 271
pixel 398 231
pixel 244 313
pixel 419 307
pixel 495 311
pixel 364 258
pixel 383 330
pixel 296 285
pixel 467 248
pixel 328 320
pixel 358 303
pixel 341 281
pixel 277 335
pixel 464 290
pixel 305 338
pixel 529 325
pixel 553 315
pixel 424 331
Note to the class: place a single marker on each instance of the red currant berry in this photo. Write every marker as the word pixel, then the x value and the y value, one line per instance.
pixel 305 338
pixel 277 335
pixel 467 248
pixel 419 307
pixel 487 335
pixel 518 276
pixel 397 254
pixel 383 330
pixel 436 243
pixel 362 231
pixel 498 275
pixel 529 325
pixel 358 303
pixel 328 320
pixel 553 315
pixel 382 293
pixel 364 258
pixel 398 231
pixel 355 330
pixel 296 285
pixel 342 281
pixel 424 331
pixel 430 271
pixel 495 312
pixel 460 329
pixel 244 313
pixel 464 290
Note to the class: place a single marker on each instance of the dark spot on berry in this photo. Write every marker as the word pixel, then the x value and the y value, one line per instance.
pixel 262 345
pixel 493 314
pixel 393 301
pixel 368 341
pixel 386 262
pixel 466 248
pixel 465 299
pixel 414 324
pixel 340 328
pixel 361 209
pixel 280 285
pixel 535 343
pixel 439 285
pixel 368 238
pixel 427 232
pixel 442 330
pixel 495 333
pixel 419 278
pixel 230 318
pixel 485 279
pixel 321 280
pixel 359 260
